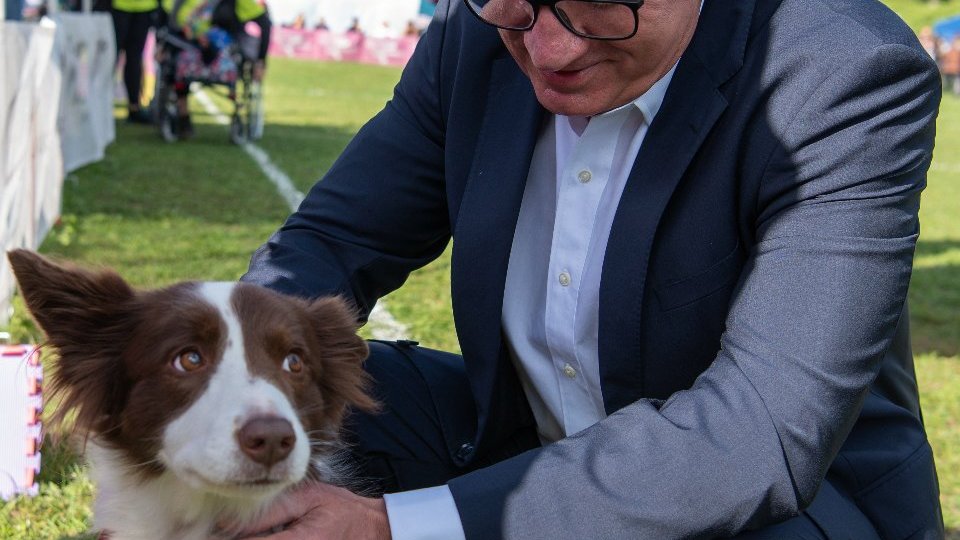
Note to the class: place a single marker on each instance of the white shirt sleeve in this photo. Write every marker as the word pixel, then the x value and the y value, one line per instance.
pixel 424 514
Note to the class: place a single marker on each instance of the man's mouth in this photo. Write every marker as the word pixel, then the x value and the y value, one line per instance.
pixel 565 77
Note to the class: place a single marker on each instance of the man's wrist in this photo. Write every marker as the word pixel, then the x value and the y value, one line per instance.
pixel 379 521
pixel 424 514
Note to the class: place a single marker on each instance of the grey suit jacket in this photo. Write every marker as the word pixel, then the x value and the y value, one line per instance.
pixel 754 341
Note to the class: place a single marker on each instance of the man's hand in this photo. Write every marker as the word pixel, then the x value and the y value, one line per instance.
pixel 322 512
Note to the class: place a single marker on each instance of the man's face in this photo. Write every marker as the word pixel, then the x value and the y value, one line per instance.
pixel 577 76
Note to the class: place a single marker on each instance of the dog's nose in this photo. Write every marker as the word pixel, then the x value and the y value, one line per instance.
pixel 267 439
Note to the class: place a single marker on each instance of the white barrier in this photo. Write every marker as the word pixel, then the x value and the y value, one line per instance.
pixel 55 115
pixel 85 53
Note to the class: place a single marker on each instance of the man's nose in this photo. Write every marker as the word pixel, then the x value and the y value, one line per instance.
pixel 551 45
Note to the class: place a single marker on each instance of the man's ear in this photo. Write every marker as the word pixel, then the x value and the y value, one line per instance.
pixel 87 318
pixel 344 382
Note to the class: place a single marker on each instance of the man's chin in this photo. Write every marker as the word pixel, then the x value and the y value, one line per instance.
pixel 567 104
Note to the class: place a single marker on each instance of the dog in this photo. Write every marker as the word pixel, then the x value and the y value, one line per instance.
pixel 198 403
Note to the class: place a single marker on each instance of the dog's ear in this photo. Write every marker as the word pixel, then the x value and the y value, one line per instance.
pixel 86 317
pixel 344 382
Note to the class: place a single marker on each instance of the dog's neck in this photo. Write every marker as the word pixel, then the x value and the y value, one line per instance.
pixel 130 507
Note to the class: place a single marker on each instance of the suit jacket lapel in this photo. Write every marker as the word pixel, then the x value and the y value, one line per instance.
pixel 487 219
pixel 690 109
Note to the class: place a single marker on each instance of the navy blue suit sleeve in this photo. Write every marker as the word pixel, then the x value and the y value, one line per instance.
pixel 381 210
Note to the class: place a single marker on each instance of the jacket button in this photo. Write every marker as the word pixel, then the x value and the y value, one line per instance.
pixel 465 451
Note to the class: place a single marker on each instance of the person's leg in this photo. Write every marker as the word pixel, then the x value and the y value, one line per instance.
pixel 427 415
pixel 185 66
pixel 121 26
pixel 831 515
pixel 136 39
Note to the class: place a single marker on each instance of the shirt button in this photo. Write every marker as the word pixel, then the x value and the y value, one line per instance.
pixel 569 371
pixel 464 451
pixel 584 176
pixel 564 279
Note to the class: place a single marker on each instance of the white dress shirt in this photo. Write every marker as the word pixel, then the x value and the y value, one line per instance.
pixel 552 295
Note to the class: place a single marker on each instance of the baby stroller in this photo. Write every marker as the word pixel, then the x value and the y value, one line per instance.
pixel 204 42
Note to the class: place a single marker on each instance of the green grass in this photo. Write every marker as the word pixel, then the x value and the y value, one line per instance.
pixel 920 13
pixel 160 213
pixel 935 309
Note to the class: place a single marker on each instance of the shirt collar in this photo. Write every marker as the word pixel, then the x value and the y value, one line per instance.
pixel 648 104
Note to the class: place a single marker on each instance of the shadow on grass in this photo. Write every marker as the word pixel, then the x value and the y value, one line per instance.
pixel 205 178
pixel 935 298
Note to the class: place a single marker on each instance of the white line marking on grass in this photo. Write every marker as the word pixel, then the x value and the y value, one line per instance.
pixel 211 109
pixel 382 323
pixel 284 186
pixel 280 180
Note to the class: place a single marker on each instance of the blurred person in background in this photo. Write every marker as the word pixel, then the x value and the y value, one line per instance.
pixel 132 20
pixel 930 42
pixel 950 65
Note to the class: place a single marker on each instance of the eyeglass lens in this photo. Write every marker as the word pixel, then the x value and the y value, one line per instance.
pixel 584 17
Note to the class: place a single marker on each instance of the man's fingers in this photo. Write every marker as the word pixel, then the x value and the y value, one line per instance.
pixel 288 508
pixel 288 534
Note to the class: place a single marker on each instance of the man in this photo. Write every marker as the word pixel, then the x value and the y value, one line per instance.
pixel 683 236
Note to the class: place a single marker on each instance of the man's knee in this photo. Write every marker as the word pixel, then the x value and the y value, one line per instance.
pixel 426 408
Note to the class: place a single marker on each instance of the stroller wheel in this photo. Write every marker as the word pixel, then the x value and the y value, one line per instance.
pixel 165 109
pixel 254 111
pixel 238 132
pixel 168 128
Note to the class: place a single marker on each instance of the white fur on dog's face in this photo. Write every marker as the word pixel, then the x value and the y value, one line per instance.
pixel 200 446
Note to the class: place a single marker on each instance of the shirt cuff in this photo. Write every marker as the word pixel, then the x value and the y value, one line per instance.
pixel 424 514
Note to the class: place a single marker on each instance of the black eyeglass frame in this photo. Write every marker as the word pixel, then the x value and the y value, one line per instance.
pixel 634 5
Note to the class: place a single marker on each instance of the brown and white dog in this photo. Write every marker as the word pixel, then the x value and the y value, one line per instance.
pixel 200 402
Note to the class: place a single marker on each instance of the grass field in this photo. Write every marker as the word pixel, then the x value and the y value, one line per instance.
pixel 160 213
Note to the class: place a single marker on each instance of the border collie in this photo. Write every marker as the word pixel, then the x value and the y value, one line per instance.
pixel 200 402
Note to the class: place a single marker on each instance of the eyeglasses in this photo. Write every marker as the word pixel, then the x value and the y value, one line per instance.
pixel 594 19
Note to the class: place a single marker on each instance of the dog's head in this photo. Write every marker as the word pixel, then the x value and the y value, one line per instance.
pixel 233 388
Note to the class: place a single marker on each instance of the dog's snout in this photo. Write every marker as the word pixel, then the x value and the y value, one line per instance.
pixel 267 439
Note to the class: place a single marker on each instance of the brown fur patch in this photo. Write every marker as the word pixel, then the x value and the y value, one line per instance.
pixel 323 334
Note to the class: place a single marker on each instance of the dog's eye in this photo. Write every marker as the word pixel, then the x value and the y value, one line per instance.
pixel 292 363
pixel 188 361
